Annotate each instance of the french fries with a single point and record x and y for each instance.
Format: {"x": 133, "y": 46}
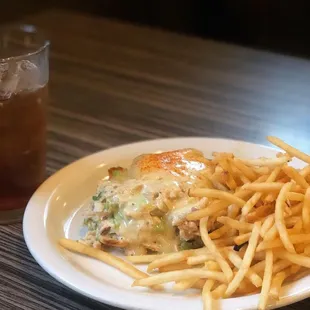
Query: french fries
{"x": 259, "y": 214}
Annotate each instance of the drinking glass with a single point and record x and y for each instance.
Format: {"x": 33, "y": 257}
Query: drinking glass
{"x": 24, "y": 74}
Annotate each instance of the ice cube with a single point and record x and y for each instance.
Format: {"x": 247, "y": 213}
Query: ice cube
{"x": 8, "y": 81}
{"x": 4, "y": 68}
{"x": 29, "y": 76}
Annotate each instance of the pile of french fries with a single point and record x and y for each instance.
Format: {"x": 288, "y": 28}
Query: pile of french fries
{"x": 255, "y": 228}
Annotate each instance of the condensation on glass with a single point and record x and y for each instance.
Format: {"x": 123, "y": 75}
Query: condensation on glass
{"x": 24, "y": 76}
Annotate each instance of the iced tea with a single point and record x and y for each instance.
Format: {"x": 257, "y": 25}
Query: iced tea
{"x": 22, "y": 148}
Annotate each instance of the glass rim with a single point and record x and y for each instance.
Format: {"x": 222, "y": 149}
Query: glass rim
{"x": 45, "y": 43}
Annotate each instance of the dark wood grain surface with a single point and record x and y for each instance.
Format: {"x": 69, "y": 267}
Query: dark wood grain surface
{"x": 114, "y": 83}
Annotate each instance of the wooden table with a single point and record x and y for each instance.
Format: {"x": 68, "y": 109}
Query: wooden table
{"x": 113, "y": 83}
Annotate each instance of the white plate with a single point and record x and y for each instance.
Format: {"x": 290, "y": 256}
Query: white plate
{"x": 54, "y": 211}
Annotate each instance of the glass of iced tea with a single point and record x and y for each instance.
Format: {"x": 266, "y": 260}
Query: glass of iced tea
{"x": 23, "y": 98}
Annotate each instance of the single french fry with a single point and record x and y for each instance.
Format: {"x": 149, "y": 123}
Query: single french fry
{"x": 219, "y": 232}
{"x": 295, "y": 196}
{"x": 173, "y": 267}
{"x": 306, "y": 212}
{"x": 259, "y": 256}
{"x": 279, "y": 218}
{"x": 225, "y": 220}
{"x": 247, "y": 171}
{"x": 213, "y": 249}
{"x": 271, "y": 197}
{"x": 185, "y": 284}
{"x": 212, "y": 265}
{"x": 217, "y": 194}
{"x": 224, "y": 242}
{"x": 144, "y": 259}
{"x": 211, "y": 209}
{"x": 276, "y": 284}
{"x": 219, "y": 291}
{"x": 267, "y": 162}
{"x": 263, "y": 187}
{"x": 247, "y": 260}
{"x": 294, "y": 175}
{"x": 206, "y": 291}
{"x": 298, "y": 189}
{"x": 107, "y": 258}
{"x": 180, "y": 275}
{"x": 297, "y": 259}
{"x": 305, "y": 171}
{"x": 276, "y": 243}
{"x": 281, "y": 265}
{"x": 170, "y": 259}
{"x": 267, "y": 224}
{"x": 263, "y": 298}
{"x": 233, "y": 211}
{"x": 242, "y": 238}
{"x": 289, "y": 149}
{"x": 244, "y": 179}
{"x": 261, "y": 170}
{"x": 271, "y": 233}
{"x": 200, "y": 259}
{"x": 199, "y": 284}
{"x": 207, "y": 297}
